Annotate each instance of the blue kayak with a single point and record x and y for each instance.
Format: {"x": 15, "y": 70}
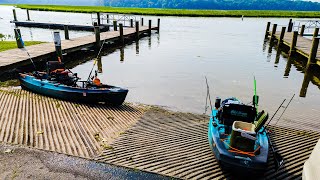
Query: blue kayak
{"x": 237, "y": 136}
{"x": 87, "y": 93}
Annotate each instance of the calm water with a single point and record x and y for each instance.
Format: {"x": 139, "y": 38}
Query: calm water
{"x": 169, "y": 69}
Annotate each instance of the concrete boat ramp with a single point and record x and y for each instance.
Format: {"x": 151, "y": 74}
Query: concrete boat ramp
{"x": 143, "y": 138}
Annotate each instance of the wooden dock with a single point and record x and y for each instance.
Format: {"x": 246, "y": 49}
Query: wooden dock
{"x": 296, "y": 42}
{"x": 103, "y": 28}
{"x": 18, "y": 57}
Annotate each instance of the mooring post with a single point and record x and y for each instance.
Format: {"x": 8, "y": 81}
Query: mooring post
{"x": 107, "y": 18}
{"x": 57, "y": 43}
{"x": 121, "y": 34}
{"x": 290, "y": 25}
{"x": 97, "y": 35}
{"x": 158, "y": 25}
{"x": 283, "y": 30}
{"x": 14, "y": 15}
{"x": 141, "y": 21}
{"x": 66, "y": 32}
{"x": 267, "y": 30}
{"x": 293, "y": 42}
{"x": 17, "y": 35}
{"x": 28, "y": 15}
{"x": 313, "y": 52}
{"x": 274, "y": 28}
{"x": 302, "y": 30}
{"x": 131, "y": 23}
{"x": 115, "y": 28}
{"x": 137, "y": 30}
{"x": 316, "y": 32}
{"x": 98, "y": 18}
{"x": 149, "y": 30}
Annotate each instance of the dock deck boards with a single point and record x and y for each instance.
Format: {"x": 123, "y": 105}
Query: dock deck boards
{"x": 19, "y": 56}
{"x": 303, "y": 46}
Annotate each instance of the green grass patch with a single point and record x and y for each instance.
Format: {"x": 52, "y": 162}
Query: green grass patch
{"x": 13, "y": 82}
{"x": 6, "y": 45}
{"x": 174, "y": 12}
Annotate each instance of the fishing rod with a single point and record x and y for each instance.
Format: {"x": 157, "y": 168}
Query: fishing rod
{"x": 208, "y": 95}
{"x": 95, "y": 61}
{"x": 285, "y": 108}
{"x": 20, "y": 39}
{"x": 274, "y": 114}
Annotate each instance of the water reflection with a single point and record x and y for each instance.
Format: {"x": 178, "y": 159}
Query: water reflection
{"x": 276, "y": 62}
{"x": 149, "y": 42}
{"x": 137, "y": 47}
{"x": 99, "y": 65}
{"x": 309, "y": 74}
{"x": 121, "y": 54}
{"x": 288, "y": 68}
{"x": 305, "y": 83}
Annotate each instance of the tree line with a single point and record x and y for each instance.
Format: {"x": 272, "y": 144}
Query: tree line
{"x": 297, "y": 5}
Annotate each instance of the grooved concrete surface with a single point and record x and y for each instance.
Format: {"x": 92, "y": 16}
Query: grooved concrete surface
{"x": 49, "y": 124}
{"x": 176, "y": 144}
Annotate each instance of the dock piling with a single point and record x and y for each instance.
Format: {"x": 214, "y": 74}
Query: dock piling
{"x": 267, "y": 30}
{"x": 302, "y": 30}
{"x": 158, "y": 25}
{"x": 121, "y": 34}
{"x": 294, "y": 42}
{"x": 17, "y": 35}
{"x": 98, "y": 18}
{"x": 115, "y": 28}
{"x": 290, "y": 25}
{"x": 316, "y": 32}
{"x": 313, "y": 52}
{"x": 137, "y": 30}
{"x": 274, "y": 28}
{"x": 57, "y": 43}
{"x": 66, "y": 32}
{"x": 28, "y": 15}
{"x": 107, "y": 18}
{"x": 149, "y": 30}
{"x": 97, "y": 35}
{"x": 283, "y": 30}
{"x": 141, "y": 21}
{"x": 131, "y": 23}
{"x": 14, "y": 15}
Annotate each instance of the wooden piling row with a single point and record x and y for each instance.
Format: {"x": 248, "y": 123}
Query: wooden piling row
{"x": 121, "y": 34}
{"x": 66, "y": 32}
{"x": 292, "y": 44}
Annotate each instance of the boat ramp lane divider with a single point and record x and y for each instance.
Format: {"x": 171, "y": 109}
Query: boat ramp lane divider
{"x": 49, "y": 124}
{"x": 16, "y": 57}
{"x": 176, "y": 144}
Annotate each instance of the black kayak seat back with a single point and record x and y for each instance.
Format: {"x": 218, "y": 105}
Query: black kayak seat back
{"x": 53, "y": 65}
{"x": 261, "y": 120}
{"x": 237, "y": 112}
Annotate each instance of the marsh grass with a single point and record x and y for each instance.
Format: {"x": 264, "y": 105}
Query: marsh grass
{"x": 174, "y": 12}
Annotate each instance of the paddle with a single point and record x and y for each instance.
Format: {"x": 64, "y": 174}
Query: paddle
{"x": 95, "y": 60}
{"x": 277, "y": 157}
{"x": 24, "y": 48}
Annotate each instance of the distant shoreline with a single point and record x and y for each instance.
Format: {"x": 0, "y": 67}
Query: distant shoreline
{"x": 175, "y": 12}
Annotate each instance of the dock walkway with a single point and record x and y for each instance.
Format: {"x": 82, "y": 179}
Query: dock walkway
{"x": 18, "y": 57}
{"x": 303, "y": 46}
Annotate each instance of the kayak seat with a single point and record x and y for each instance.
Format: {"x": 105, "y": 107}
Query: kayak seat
{"x": 55, "y": 66}
{"x": 261, "y": 120}
{"x": 237, "y": 112}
